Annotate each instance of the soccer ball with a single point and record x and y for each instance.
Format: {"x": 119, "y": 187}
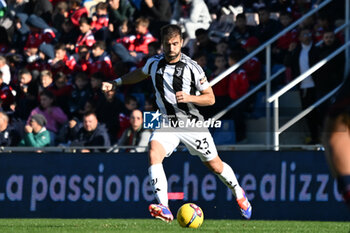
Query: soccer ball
{"x": 190, "y": 215}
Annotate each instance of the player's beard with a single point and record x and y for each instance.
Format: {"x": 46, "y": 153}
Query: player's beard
{"x": 170, "y": 57}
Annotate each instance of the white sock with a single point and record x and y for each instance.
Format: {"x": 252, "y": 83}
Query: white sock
{"x": 228, "y": 177}
{"x": 159, "y": 183}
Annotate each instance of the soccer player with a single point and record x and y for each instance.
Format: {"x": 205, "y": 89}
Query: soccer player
{"x": 176, "y": 78}
{"x": 337, "y": 140}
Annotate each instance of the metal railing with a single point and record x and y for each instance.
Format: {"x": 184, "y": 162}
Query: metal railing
{"x": 275, "y": 97}
{"x": 269, "y": 78}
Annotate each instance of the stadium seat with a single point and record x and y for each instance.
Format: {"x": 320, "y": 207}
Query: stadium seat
{"x": 226, "y": 134}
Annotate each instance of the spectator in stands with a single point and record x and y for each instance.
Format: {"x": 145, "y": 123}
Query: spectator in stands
{"x": 46, "y": 80}
{"x": 119, "y": 12}
{"x": 80, "y": 62}
{"x": 241, "y": 32}
{"x": 325, "y": 23}
{"x": 43, "y": 9}
{"x": 36, "y": 135}
{"x": 253, "y": 65}
{"x": 100, "y": 61}
{"x": 76, "y": 12}
{"x": 9, "y": 135}
{"x": 100, "y": 17}
{"x": 202, "y": 60}
{"x": 220, "y": 89}
{"x": 96, "y": 85}
{"x": 62, "y": 91}
{"x": 54, "y": 115}
{"x": 108, "y": 117}
{"x": 100, "y": 21}
{"x": 26, "y": 94}
{"x": 279, "y": 51}
{"x": 59, "y": 15}
{"x": 204, "y": 44}
{"x": 223, "y": 48}
{"x": 20, "y": 34}
{"x": 17, "y": 7}
{"x": 300, "y": 58}
{"x": 267, "y": 27}
{"x": 135, "y": 135}
{"x": 46, "y": 52}
{"x": 238, "y": 86}
{"x": 137, "y": 44}
{"x": 158, "y": 12}
{"x": 5, "y": 70}
{"x": 69, "y": 34}
{"x": 331, "y": 74}
{"x": 86, "y": 36}
{"x": 130, "y": 104}
{"x": 150, "y": 104}
{"x": 191, "y": 15}
{"x": 60, "y": 62}
{"x": 80, "y": 94}
{"x": 40, "y": 33}
{"x": 90, "y": 134}
{"x": 6, "y": 97}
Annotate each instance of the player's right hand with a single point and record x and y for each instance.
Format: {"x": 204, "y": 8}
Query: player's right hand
{"x": 107, "y": 86}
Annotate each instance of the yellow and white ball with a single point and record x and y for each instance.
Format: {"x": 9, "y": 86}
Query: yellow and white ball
{"x": 190, "y": 215}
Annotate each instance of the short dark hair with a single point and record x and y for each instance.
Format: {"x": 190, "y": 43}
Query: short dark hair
{"x": 102, "y": 6}
{"x": 200, "y": 32}
{"x": 24, "y": 71}
{"x": 241, "y": 16}
{"x": 85, "y": 20}
{"x": 81, "y": 75}
{"x": 90, "y": 113}
{"x": 170, "y": 30}
{"x": 142, "y": 21}
{"x": 59, "y": 75}
{"x": 99, "y": 44}
{"x": 47, "y": 93}
{"x": 60, "y": 46}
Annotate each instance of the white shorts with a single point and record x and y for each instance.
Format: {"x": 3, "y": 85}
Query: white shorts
{"x": 198, "y": 143}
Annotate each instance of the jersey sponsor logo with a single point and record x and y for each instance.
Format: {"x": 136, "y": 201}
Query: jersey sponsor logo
{"x": 152, "y": 120}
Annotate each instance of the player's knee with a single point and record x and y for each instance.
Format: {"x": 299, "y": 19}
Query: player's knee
{"x": 154, "y": 156}
{"x": 156, "y": 153}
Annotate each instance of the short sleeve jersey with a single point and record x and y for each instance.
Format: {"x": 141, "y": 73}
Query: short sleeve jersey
{"x": 185, "y": 75}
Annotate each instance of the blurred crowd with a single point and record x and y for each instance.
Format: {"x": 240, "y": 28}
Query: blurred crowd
{"x": 55, "y": 54}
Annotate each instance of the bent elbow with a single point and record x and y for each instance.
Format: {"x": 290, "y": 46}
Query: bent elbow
{"x": 212, "y": 101}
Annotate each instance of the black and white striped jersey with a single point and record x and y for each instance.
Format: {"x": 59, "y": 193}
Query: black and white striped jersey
{"x": 185, "y": 75}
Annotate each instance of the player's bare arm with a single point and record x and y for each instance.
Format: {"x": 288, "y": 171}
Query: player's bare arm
{"x": 206, "y": 98}
{"x": 129, "y": 78}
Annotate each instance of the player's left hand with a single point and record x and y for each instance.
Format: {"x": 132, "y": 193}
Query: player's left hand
{"x": 182, "y": 97}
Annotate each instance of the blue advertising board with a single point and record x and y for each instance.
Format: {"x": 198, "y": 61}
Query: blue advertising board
{"x": 281, "y": 185}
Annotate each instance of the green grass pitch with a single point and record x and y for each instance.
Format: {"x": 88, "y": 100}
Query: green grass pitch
{"x": 153, "y": 225}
